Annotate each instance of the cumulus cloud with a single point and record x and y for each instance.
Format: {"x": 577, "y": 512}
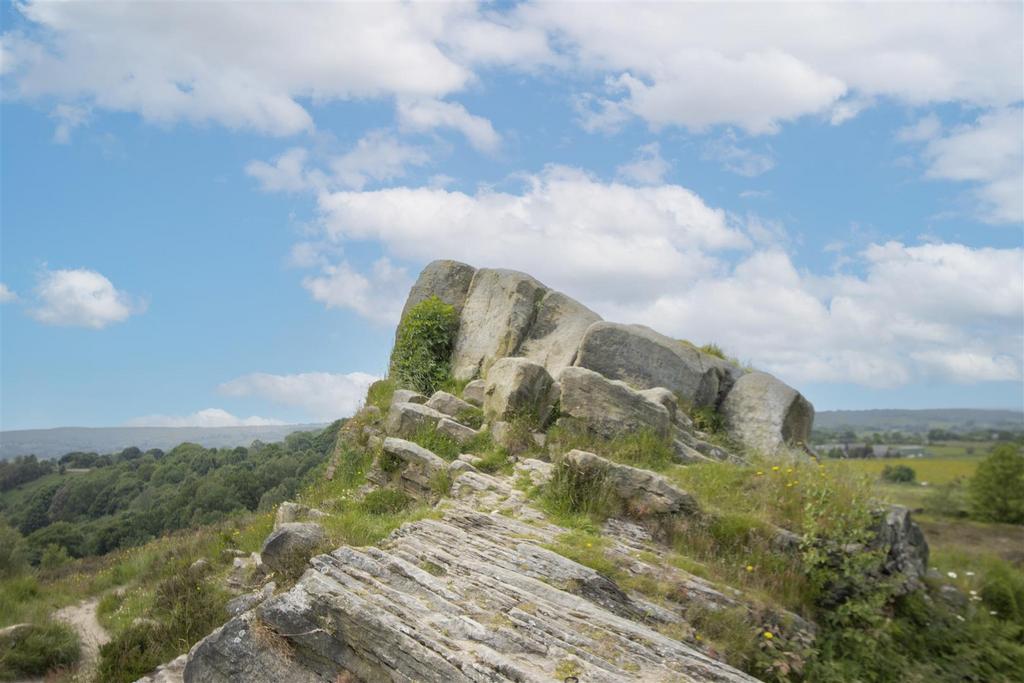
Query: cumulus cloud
{"x": 699, "y": 64}
{"x": 81, "y": 298}
{"x": 693, "y": 65}
{"x": 659, "y": 255}
{"x": 378, "y": 156}
{"x": 989, "y": 153}
{"x": 287, "y": 173}
{"x": 324, "y": 396}
{"x": 428, "y": 114}
{"x": 647, "y": 167}
{"x": 209, "y": 417}
{"x": 6, "y": 294}
{"x": 68, "y": 117}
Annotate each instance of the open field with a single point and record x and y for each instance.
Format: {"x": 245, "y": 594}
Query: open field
{"x": 942, "y": 470}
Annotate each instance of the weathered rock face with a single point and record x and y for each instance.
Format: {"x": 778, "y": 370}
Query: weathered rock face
{"x": 488, "y": 610}
{"x": 500, "y": 309}
{"x": 645, "y": 359}
{"x": 458, "y": 431}
{"x": 517, "y": 386}
{"x": 906, "y": 550}
{"x": 555, "y": 335}
{"x": 473, "y": 393}
{"x": 407, "y": 396}
{"x": 414, "y": 466}
{"x": 405, "y": 419}
{"x": 289, "y": 546}
{"x": 642, "y": 492}
{"x": 294, "y": 512}
{"x": 449, "y": 404}
{"x": 447, "y": 280}
{"x": 766, "y": 414}
{"x": 609, "y": 407}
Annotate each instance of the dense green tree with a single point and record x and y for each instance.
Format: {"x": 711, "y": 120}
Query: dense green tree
{"x": 997, "y": 487}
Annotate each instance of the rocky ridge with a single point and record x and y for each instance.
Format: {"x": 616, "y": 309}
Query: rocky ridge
{"x": 476, "y": 592}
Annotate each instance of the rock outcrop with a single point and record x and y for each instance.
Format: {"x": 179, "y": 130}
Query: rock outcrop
{"x": 447, "y": 280}
{"x": 517, "y": 387}
{"x": 446, "y": 601}
{"x": 609, "y": 407}
{"x": 641, "y": 493}
{"x": 288, "y": 546}
{"x": 767, "y": 415}
{"x": 500, "y": 309}
{"x": 554, "y": 338}
{"x": 646, "y": 359}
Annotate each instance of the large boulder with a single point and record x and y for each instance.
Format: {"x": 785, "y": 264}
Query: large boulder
{"x": 288, "y": 512}
{"x": 473, "y": 393}
{"x": 554, "y": 338}
{"x": 517, "y": 387}
{"x": 288, "y": 547}
{"x": 449, "y": 404}
{"x": 642, "y": 493}
{"x": 447, "y": 280}
{"x": 609, "y": 407}
{"x": 405, "y": 419}
{"x": 414, "y": 468}
{"x": 767, "y": 415}
{"x": 646, "y": 359}
{"x": 500, "y": 308}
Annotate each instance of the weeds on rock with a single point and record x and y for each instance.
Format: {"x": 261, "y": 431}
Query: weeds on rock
{"x": 642, "y": 448}
{"x": 421, "y": 359}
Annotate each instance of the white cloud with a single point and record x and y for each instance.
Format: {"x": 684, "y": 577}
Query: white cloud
{"x": 989, "y": 153}
{"x": 659, "y": 255}
{"x": 922, "y": 130}
{"x": 566, "y": 226}
{"x": 427, "y": 114}
{"x": 68, "y": 118}
{"x": 378, "y": 156}
{"x": 286, "y": 174}
{"x": 701, "y": 64}
{"x": 376, "y": 295}
{"x": 671, "y": 64}
{"x": 6, "y": 294}
{"x": 81, "y": 298}
{"x": 646, "y": 168}
{"x": 735, "y": 159}
{"x": 324, "y": 396}
{"x": 209, "y": 417}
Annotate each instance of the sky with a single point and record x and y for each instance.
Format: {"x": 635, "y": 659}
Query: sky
{"x": 211, "y": 212}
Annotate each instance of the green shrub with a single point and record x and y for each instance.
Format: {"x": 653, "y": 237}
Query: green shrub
{"x": 13, "y": 551}
{"x": 709, "y": 420}
{"x": 715, "y": 350}
{"x": 898, "y": 474}
{"x": 385, "y": 501}
{"x": 423, "y": 346}
{"x": 379, "y": 394}
{"x": 40, "y": 649}
{"x": 134, "y": 652}
{"x": 997, "y": 487}
{"x": 574, "y": 492}
{"x": 948, "y": 500}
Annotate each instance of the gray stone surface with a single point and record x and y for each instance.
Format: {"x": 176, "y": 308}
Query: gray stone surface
{"x": 641, "y": 492}
{"x": 491, "y": 609}
{"x": 473, "y": 393}
{"x": 456, "y": 430}
{"x": 555, "y": 335}
{"x": 767, "y": 415}
{"x": 517, "y": 387}
{"x": 646, "y": 359}
{"x": 290, "y": 545}
{"x": 296, "y": 512}
{"x": 666, "y": 398}
{"x": 407, "y": 396}
{"x": 905, "y": 547}
{"x": 499, "y": 311}
{"x": 171, "y": 672}
{"x": 447, "y": 280}
{"x": 609, "y": 407}
{"x": 449, "y": 404}
{"x": 416, "y": 470}
{"x": 405, "y": 419}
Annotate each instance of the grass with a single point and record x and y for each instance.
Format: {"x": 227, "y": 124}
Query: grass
{"x": 643, "y": 448}
{"x": 379, "y": 394}
{"x": 940, "y": 470}
{"x": 43, "y": 647}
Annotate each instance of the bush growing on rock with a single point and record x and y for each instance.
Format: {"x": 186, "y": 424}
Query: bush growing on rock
{"x": 421, "y": 359}
{"x": 38, "y": 649}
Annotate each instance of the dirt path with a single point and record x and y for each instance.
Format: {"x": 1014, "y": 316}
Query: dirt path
{"x": 82, "y": 618}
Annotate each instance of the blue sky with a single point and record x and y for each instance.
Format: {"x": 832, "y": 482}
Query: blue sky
{"x": 211, "y": 213}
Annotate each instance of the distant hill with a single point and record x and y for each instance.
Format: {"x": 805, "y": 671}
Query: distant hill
{"x": 920, "y": 421}
{"x": 51, "y": 443}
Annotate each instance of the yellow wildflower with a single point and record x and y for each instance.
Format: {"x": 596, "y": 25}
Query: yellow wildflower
{"x": 750, "y": 567}
{"x": 775, "y": 468}
{"x": 768, "y": 635}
